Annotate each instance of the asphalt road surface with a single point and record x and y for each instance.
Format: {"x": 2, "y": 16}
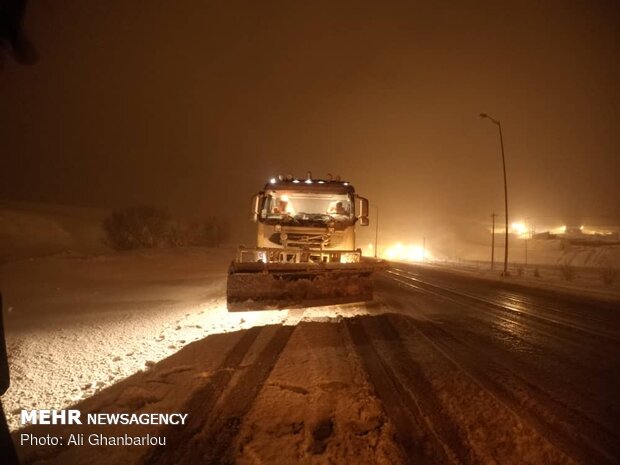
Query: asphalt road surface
{"x": 552, "y": 359}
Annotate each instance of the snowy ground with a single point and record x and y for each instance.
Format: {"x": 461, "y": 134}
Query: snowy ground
{"x": 105, "y": 317}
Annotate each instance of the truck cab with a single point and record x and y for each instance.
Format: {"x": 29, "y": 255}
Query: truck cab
{"x": 316, "y": 216}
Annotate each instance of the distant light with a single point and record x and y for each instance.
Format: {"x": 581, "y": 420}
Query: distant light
{"x": 321, "y": 182}
{"x": 412, "y": 253}
{"x": 581, "y": 227}
{"x": 296, "y": 181}
{"x": 558, "y": 230}
{"x": 272, "y": 180}
{"x": 346, "y": 183}
{"x": 519, "y": 228}
{"x": 308, "y": 181}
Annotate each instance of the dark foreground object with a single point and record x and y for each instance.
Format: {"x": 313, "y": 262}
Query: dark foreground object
{"x": 7, "y": 450}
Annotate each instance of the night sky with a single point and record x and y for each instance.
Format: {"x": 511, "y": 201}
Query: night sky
{"x": 193, "y": 105}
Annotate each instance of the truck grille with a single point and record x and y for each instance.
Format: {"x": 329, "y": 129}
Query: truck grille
{"x": 301, "y": 240}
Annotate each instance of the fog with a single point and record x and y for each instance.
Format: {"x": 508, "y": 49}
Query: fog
{"x": 195, "y": 105}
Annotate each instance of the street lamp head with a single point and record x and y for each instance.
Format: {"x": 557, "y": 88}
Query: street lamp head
{"x": 493, "y": 120}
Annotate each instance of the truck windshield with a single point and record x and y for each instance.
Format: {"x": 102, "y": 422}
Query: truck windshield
{"x": 306, "y": 208}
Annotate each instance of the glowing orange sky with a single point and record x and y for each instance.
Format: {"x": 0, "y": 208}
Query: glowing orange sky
{"x": 185, "y": 103}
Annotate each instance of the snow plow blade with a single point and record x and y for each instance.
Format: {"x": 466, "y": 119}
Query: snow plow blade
{"x": 259, "y": 286}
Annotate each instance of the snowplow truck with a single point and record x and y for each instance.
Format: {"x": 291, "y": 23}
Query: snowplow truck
{"x": 305, "y": 253}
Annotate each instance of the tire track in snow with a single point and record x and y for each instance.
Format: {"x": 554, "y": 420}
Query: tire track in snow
{"x": 203, "y": 401}
{"x": 421, "y": 430}
{"x": 218, "y": 410}
{"x": 552, "y": 418}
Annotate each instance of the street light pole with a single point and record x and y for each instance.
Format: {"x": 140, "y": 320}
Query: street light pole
{"x": 493, "y": 215}
{"x": 376, "y": 228}
{"x": 501, "y": 141}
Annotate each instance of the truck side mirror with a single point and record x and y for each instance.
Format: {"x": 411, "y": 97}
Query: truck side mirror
{"x": 362, "y": 211}
{"x": 256, "y": 201}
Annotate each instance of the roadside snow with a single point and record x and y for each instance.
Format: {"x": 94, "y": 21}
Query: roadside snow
{"x": 75, "y": 326}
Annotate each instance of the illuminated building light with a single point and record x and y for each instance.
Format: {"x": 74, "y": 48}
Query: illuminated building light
{"x": 272, "y": 180}
{"x": 596, "y": 232}
{"x": 559, "y": 230}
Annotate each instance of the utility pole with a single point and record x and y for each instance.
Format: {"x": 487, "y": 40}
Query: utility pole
{"x": 376, "y": 229}
{"x": 493, "y": 215}
{"x": 528, "y": 235}
{"x": 526, "y": 250}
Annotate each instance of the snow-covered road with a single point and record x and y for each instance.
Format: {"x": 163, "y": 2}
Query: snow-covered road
{"x": 553, "y": 359}
{"x": 440, "y": 368}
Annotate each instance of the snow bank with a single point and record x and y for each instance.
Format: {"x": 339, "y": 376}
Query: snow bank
{"x": 29, "y": 230}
